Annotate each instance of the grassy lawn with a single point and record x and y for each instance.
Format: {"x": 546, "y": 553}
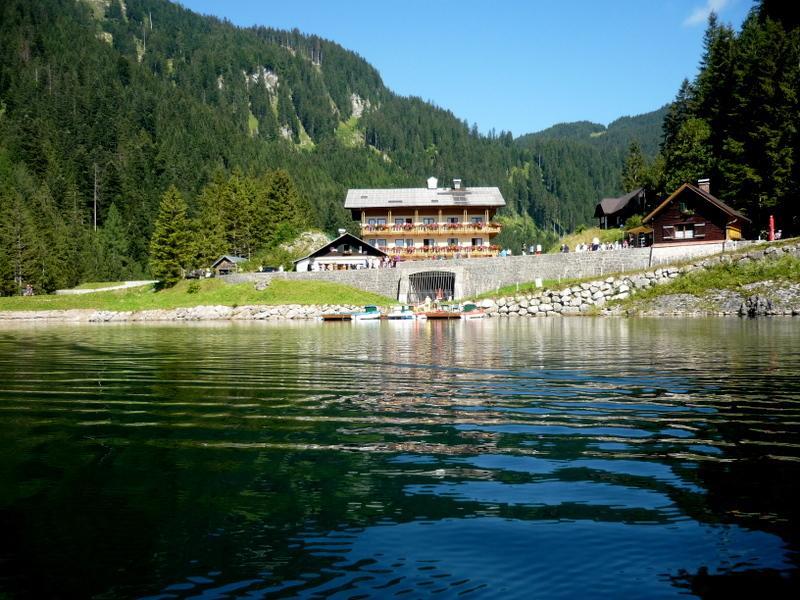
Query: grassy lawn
{"x": 197, "y": 293}
{"x": 586, "y": 236}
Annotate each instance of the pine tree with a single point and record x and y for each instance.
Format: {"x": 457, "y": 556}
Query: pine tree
{"x": 170, "y": 244}
{"x": 634, "y": 168}
{"x": 113, "y": 238}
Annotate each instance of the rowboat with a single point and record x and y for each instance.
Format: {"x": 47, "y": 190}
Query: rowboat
{"x": 370, "y": 313}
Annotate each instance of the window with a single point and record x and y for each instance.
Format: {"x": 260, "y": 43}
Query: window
{"x": 428, "y": 242}
{"x": 409, "y": 243}
{"x": 452, "y": 220}
{"x": 452, "y": 241}
{"x": 477, "y": 219}
{"x": 399, "y": 243}
{"x": 428, "y": 221}
{"x": 372, "y": 221}
{"x": 380, "y": 243}
{"x": 477, "y": 241}
{"x": 399, "y": 221}
{"x": 380, "y": 221}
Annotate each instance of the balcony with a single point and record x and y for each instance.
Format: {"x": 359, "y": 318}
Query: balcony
{"x": 434, "y": 228}
{"x": 434, "y": 252}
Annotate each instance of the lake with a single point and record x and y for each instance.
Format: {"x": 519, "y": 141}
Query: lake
{"x": 552, "y": 458}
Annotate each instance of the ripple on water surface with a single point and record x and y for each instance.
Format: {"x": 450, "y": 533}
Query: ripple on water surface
{"x": 632, "y": 458}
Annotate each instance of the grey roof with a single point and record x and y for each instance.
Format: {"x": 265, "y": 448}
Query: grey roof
{"x": 609, "y": 206}
{"x": 369, "y": 249}
{"x": 388, "y": 197}
{"x": 229, "y": 258}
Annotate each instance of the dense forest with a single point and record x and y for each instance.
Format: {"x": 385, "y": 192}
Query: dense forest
{"x": 106, "y": 105}
{"x": 738, "y": 121}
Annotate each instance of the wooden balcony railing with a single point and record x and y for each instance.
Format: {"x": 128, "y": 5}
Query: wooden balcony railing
{"x": 435, "y": 228}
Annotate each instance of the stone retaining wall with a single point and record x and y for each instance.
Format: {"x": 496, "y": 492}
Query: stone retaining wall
{"x": 478, "y": 276}
{"x": 591, "y": 297}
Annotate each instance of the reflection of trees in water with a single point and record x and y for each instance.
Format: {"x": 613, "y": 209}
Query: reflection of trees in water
{"x": 261, "y": 437}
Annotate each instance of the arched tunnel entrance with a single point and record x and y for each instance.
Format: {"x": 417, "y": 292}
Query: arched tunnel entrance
{"x": 431, "y": 284}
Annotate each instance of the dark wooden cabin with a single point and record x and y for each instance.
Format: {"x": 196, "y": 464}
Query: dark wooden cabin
{"x": 225, "y": 265}
{"x": 613, "y": 212}
{"x": 692, "y": 214}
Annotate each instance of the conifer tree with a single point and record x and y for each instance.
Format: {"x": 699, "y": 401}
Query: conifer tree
{"x": 634, "y": 168}
{"x": 170, "y": 243}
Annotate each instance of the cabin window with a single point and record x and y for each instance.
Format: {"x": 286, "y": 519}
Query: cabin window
{"x": 428, "y": 221}
{"x": 684, "y": 232}
{"x": 345, "y": 248}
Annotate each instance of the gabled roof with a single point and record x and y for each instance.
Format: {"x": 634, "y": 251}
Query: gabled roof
{"x": 704, "y": 195}
{"x": 229, "y": 258}
{"x": 609, "y": 206}
{"x": 414, "y": 197}
{"x": 345, "y": 238}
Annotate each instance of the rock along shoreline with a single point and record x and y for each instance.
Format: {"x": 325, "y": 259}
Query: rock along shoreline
{"x": 586, "y": 298}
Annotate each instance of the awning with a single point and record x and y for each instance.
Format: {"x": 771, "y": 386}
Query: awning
{"x": 641, "y": 229}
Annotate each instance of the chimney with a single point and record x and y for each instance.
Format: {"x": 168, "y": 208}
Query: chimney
{"x": 432, "y": 183}
{"x": 456, "y": 184}
{"x": 704, "y": 185}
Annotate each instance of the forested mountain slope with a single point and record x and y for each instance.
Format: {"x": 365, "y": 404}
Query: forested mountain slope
{"x": 111, "y": 102}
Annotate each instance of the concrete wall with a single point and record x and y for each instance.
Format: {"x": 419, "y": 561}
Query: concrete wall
{"x": 476, "y": 276}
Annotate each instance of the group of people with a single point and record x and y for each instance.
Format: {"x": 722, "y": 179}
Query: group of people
{"x": 372, "y": 262}
{"x": 597, "y": 246}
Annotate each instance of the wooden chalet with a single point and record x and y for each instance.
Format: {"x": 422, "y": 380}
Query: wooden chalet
{"x": 692, "y": 214}
{"x": 225, "y": 265}
{"x": 345, "y": 252}
{"x": 613, "y": 212}
{"x": 429, "y": 222}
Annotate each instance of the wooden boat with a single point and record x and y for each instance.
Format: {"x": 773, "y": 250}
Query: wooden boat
{"x": 370, "y": 313}
{"x": 443, "y": 312}
{"x": 337, "y": 317}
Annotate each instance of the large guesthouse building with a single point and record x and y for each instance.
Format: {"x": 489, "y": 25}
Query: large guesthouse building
{"x": 430, "y": 222}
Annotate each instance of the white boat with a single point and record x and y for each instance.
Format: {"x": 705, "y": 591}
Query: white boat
{"x": 370, "y": 313}
{"x": 403, "y": 313}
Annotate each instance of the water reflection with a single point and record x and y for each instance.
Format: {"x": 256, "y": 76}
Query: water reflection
{"x": 486, "y": 459}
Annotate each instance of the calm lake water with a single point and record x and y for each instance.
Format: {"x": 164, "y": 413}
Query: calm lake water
{"x": 553, "y": 458}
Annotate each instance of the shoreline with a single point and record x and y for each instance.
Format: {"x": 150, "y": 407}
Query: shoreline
{"x": 599, "y": 297}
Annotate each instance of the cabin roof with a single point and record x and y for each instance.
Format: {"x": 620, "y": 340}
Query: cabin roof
{"x": 345, "y": 238}
{"x": 414, "y": 197}
{"x": 702, "y": 194}
{"x": 609, "y": 206}
{"x": 230, "y": 258}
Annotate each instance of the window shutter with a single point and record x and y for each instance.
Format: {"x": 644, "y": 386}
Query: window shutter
{"x": 668, "y": 233}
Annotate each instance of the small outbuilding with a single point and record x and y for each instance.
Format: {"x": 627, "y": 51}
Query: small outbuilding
{"x": 613, "y": 212}
{"x": 345, "y": 252}
{"x": 692, "y": 214}
{"x": 225, "y": 265}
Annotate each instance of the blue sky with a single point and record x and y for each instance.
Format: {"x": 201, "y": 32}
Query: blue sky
{"x": 511, "y": 65}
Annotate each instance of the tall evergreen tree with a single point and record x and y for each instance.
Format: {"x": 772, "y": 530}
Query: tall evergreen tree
{"x": 634, "y": 168}
{"x": 170, "y": 246}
